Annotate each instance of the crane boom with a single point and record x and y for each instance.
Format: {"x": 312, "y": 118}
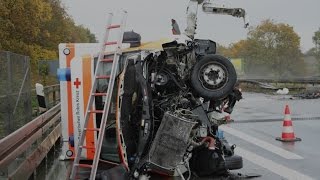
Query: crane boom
{"x": 209, "y": 8}
{"x": 192, "y": 12}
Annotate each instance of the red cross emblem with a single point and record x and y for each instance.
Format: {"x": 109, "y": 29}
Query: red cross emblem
{"x": 77, "y": 83}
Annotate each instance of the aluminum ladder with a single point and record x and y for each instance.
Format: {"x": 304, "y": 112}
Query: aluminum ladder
{"x": 108, "y": 96}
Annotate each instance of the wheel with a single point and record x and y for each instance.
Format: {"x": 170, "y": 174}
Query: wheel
{"x": 233, "y": 162}
{"x": 213, "y": 76}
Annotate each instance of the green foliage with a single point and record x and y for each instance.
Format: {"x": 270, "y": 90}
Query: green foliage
{"x": 316, "y": 40}
{"x": 222, "y": 50}
{"x": 272, "y": 48}
{"x": 36, "y": 27}
{"x": 316, "y": 50}
{"x": 234, "y": 50}
{"x": 44, "y": 69}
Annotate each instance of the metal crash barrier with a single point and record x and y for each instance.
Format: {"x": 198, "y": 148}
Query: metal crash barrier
{"x": 23, "y": 150}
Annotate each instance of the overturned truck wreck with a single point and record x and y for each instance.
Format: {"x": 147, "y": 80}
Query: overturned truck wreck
{"x": 165, "y": 100}
{"x": 162, "y": 111}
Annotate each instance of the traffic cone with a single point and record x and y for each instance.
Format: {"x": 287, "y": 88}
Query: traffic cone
{"x": 287, "y": 130}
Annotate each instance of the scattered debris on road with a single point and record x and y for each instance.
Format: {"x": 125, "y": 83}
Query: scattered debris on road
{"x": 313, "y": 93}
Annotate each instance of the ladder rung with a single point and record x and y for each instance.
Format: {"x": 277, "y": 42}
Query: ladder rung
{"x": 99, "y": 94}
{"x": 111, "y": 43}
{"x": 84, "y": 165}
{"x": 92, "y": 129}
{"x": 96, "y": 111}
{"x": 107, "y": 60}
{"x": 87, "y": 147}
{"x": 114, "y": 26}
{"x": 103, "y": 77}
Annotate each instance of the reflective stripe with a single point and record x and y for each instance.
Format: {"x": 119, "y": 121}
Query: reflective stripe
{"x": 288, "y": 136}
{"x": 287, "y": 129}
{"x": 69, "y": 94}
{"x": 265, "y": 145}
{"x": 87, "y": 83}
{"x": 272, "y": 166}
{"x": 287, "y": 123}
{"x": 287, "y": 117}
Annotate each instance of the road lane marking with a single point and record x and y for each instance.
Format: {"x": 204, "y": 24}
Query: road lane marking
{"x": 271, "y": 165}
{"x": 265, "y": 145}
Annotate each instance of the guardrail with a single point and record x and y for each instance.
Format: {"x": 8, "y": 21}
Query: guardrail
{"x": 20, "y": 143}
{"x": 291, "y": 80}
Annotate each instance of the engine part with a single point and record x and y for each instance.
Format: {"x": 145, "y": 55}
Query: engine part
{"x": 185, "y": 103}
{"x": 144, "y": 177}
{"x": 233, "y": 162}
{"x": 202, "y": 116}
{"x": 211, "y": 142}
{"x": 133, "y": 38}
{"x": 204, "y": 47}
{"x": 171, "y": 142}
{"x": 161, "y": 79}
{"x": 146, "y": 121}
{"x": 213, "y": 77}
{"x": 227, "y": 149}
{"x": 205, "y": 162}
{"x": 203, "y": 132}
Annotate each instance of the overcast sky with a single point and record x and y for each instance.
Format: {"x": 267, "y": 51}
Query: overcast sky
{"x": 152, "y": 18}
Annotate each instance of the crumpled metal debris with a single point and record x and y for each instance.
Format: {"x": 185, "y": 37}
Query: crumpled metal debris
{"x": 309, "y": 94}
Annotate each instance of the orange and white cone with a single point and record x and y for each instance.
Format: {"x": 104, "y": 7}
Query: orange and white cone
{"x": 287, "y": 130}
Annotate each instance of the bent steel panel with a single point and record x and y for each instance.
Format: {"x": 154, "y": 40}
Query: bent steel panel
{"x": 22, "y": 146}
{"x": 32, "y": 162}
{"x": 25, "y": 131}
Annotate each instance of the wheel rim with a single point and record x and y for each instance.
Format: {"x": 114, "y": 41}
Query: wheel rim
{"x": 213, "y": 76}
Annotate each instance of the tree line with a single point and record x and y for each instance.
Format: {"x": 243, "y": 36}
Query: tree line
{"x": 36, "y": 27}
{"x": 315, "y": 51}
{"x": 271, "y": 49}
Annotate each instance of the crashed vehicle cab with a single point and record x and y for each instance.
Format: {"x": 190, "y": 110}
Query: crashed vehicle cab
{"x": 166, "y": 96}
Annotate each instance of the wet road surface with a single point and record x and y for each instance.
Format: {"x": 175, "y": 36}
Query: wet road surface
{"x": 258, "y": 121}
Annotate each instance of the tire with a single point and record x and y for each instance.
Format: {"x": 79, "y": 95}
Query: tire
{"x": 213, "y": 77}
{"x": 233, "y": 162}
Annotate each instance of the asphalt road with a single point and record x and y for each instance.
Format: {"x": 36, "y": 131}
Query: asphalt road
{"x": 258, "y": 121}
